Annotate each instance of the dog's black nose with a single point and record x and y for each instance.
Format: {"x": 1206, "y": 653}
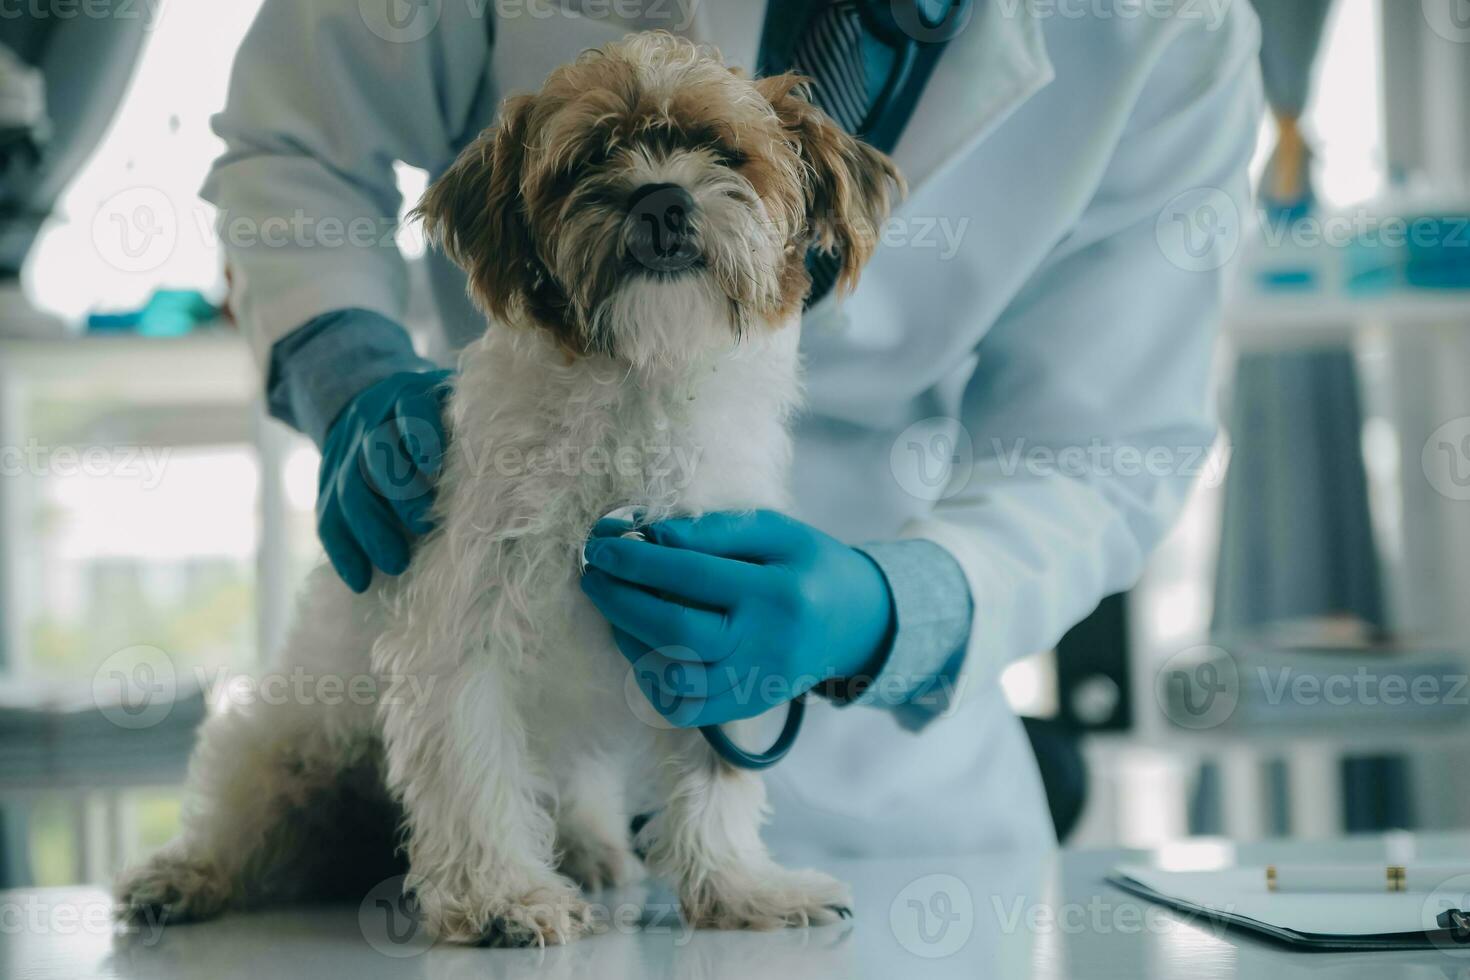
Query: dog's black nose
{"x": 661, "y": 227}
{"x": 660, "y": 198}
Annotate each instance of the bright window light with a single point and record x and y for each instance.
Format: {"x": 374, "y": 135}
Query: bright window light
{"x": 161, "y": 142}
{"x": 160, "y": 139}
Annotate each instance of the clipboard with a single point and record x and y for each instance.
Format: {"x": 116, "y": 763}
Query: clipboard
{"x": 1341, "y": 922}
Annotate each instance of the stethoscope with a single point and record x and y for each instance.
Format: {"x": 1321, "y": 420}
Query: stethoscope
{"x": 742, "y": 759}
{"x": 715, "y": 735}
{"x": 909, "y": 28}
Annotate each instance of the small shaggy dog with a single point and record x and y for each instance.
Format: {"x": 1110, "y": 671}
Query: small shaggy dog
{"x": 638, "y": 229}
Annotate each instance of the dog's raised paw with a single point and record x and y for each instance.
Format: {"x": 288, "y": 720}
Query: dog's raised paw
{"x": 171, "y": 889}
{"x": 773, "y": 899}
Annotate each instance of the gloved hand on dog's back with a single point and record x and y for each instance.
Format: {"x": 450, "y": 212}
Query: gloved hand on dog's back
{"x": 728, "y": 615}
{"x": 379, "y": 461}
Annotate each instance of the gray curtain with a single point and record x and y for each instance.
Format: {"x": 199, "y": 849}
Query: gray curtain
{"x": 1296, "y": 539}
{"x": 1291, "y": 33}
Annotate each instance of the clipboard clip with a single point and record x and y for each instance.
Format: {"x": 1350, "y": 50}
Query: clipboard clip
{"x": 1457, "y": 921}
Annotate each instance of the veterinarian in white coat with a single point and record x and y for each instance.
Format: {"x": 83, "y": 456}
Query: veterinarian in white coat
{"x": 1020, "y": 376}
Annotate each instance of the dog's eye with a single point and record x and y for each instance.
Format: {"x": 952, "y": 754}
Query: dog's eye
{"x": 597, "y": 156}
{"x": 729, "y": 155}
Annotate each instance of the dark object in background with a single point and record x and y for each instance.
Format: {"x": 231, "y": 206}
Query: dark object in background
{"x": 24, "y": 128}
{"x": 1377, "y": 794}
{"x": 1063, "y": 772}
{"x": 1093, "y": 676}
{"x": 85, "y": 62}
{"x": 1093, "y": 696}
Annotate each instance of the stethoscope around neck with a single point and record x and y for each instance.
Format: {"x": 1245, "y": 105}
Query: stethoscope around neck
{"x": 907, "y": 28}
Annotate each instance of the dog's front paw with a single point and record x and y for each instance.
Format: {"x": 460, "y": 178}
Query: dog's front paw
{"x": 171, "y": 888}
{"x": 546, "y": 915}
{"x": 771, "y": 898}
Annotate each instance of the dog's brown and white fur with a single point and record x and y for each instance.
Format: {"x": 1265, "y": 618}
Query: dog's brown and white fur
{"x": 514, "y": 758}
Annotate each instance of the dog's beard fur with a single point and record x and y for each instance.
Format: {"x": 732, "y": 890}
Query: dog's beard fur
{"x": 648, "y": 316}
{"x": 540, "y": 211}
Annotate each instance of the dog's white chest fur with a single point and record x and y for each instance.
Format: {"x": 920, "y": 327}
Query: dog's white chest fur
{"x": 543, "y": 445}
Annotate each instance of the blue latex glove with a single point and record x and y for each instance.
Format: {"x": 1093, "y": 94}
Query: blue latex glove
{"x": 728, "y": 615}
{"x": 377, "y": 479}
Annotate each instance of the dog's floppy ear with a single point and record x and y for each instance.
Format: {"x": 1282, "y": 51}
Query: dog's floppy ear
{"x": 474, "y": 212}
{"x": 850, "y": 187}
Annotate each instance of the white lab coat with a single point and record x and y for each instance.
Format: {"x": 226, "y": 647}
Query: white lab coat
{"x": 1076, "y": 155}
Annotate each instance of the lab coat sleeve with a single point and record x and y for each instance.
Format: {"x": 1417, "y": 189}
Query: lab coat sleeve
{"x": 1090, "y": 408}
{"x": 320, "y": 108}
{"x": 319, "y": 367}
{"x": 932, "y": 612}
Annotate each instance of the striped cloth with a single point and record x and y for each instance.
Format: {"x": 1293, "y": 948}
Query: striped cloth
{"x": 830, "y": 52}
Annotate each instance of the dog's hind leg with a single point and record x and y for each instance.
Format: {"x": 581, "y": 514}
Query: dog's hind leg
{"x": 280, "y": 783}
{"x": 268, "y": 789}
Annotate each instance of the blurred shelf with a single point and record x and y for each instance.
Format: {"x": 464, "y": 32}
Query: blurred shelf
{"x": 1254, "y": 320}
{"x": 71, "y": 738}
{"x": 210, "y": 365}
{"x": 1259, "y": 692}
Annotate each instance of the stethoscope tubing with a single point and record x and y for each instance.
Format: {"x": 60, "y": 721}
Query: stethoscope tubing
{"x": 905, "y": 47}
{"x": 740, "y": 758}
